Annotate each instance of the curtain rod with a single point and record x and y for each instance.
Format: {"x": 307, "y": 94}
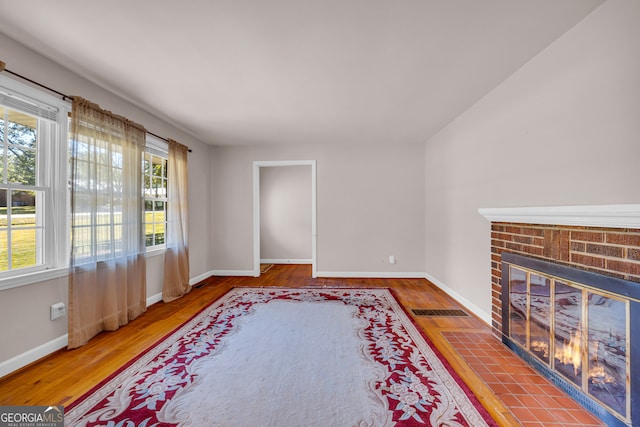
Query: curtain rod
{"x": 64, "y": 96}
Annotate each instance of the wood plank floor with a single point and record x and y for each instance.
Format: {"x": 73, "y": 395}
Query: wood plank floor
{"x": 64, "y": 376}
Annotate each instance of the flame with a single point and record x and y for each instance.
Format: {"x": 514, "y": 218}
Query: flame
{"x": 598, "y": 376}
{"x": 540, "y": 346}
{"x": 569, "y": 353}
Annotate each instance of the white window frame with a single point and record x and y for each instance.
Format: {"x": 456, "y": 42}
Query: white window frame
{"x": 159, "y": 148}
{"x": 53, "y": 155}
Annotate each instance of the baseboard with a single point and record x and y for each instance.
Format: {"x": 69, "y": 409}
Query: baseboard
{"x": 30, "y": 356}
{"x": 154, "y": 299}
{"x": 200, "y": 278}
{"x": 371, "y": 275}
{"x": 483, "y": 315}
{"x": 286, "y": 261}
{"x": 247, "y": 273}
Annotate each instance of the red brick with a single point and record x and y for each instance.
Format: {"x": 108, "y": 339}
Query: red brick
{"x": 513, "y": 246}
{"x": 633, "y": 254}
{"x": 522, "y": 239}
{"x": 587, "y": 236}
{"x": 605, "y": 250}
{"x": 623, "y": 267}
{"x": 624, "y": 239}
{"x": 578, "y": 246}
{"x": 587, "y": 260}
{"x": 556, "y": 245}
{"x": 534, "y": 232}
{"x": 538, "y": 241}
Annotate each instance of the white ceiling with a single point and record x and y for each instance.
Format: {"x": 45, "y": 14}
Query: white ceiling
{"x": 295, "y": 71}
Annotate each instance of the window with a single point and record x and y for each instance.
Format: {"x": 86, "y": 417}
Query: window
{"x": 32, "y": 180}
{"x": 155, "y": 193}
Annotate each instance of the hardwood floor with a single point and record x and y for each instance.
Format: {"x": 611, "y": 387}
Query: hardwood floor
{"x": 64, "y": 376}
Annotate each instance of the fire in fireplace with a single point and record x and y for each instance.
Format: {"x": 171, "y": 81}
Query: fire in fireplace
{"x": 578, "y": 328}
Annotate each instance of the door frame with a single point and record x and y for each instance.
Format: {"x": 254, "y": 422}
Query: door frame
{"x": 256, "y": 209}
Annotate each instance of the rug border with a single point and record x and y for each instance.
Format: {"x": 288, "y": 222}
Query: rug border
{"x": 132, "y": 360}
{"x": 484, "y": 413}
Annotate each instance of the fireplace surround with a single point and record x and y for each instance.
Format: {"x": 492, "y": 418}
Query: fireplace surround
{"x": 599, "y": 241}
{"x": 577, "y": 328}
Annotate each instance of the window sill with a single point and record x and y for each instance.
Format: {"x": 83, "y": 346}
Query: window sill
{"x": 155, "y": 252}
{"x": 32, "y": 278}
{"x": 52, "y": 273}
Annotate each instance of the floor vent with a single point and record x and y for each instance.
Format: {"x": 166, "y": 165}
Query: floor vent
{"x": 439, "y": 312}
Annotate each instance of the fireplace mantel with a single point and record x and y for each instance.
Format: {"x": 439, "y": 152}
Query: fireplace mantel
{"x": 611, "y": 216}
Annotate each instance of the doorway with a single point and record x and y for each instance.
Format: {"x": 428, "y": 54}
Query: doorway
{"x": 257, "y": 165}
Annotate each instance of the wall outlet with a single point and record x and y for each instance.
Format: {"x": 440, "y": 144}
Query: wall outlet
{"x": 392, "y": 259}
{"x": 58, "y": 310}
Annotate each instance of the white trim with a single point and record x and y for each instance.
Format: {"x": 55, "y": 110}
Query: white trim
{"x": 52, "y": 155}
{"x": 33, "y": 278}
{"x": 286, "y": 261}
{"x": 195, "y": 280}
{"x": 256, "y": 210}
{"x": 30, "y": 356}
{"x": 240, "y": 273}
{"x": 613, "y": 216}
{"x": 372, "y": 274}
{"x": 157, "y": 251}
{"x": 154, "y": 299}
{"x": 486, "y": 317}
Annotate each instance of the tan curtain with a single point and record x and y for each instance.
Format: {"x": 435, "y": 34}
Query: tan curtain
{"x": 176, "y": 261}
{"x": 107, "y": 280}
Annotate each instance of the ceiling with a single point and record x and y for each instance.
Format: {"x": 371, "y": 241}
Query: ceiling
{"x": 295, "y": 71}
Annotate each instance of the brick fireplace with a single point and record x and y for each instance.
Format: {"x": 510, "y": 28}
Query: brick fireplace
{"x": 599, "y": 240}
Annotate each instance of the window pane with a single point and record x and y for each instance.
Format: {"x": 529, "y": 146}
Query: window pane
{"x": 157, "y": 166}
{"x": 4, "y": 249}
{"x": 23, "y": 248}
{"x": 23, "y": 208}
{"x": 4, "y": 252}
{"x": 159, "y": 234}
{"x": 3, "y": 208}
{"x": 21, "y": 148}
{"x": 157, "y": 187}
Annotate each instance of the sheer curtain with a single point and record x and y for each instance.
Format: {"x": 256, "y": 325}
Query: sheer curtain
{"x": 107, "y": 280}
{"x": 176, "y": 261}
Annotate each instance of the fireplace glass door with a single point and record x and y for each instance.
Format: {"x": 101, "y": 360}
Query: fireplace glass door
{"x": 576, "y": 331}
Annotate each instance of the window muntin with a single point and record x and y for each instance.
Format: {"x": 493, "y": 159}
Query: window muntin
{"x": 155, "y": 198}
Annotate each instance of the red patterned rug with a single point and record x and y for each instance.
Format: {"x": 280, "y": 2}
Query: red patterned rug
{"x": 287, "y": 357}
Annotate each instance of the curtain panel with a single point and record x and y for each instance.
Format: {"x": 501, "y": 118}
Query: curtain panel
{"x": 176, "y": 259}
{"x": 107, "y": 280}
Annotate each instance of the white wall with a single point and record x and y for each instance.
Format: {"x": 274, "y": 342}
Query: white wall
{"x": 285, "y": 213}
{"x": 370, "y": 204}
{"x": 24, "y": 311}
{"x": 563, "y": 130}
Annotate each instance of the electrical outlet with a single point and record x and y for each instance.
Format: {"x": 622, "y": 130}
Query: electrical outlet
{"x": 392, "y": 259}
{"x": 58, "y": 310}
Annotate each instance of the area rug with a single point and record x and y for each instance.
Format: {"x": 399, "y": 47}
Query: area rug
{"x": 287, "y": 357}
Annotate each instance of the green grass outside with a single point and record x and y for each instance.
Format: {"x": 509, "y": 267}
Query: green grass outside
{"x": 23, "y": 242}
